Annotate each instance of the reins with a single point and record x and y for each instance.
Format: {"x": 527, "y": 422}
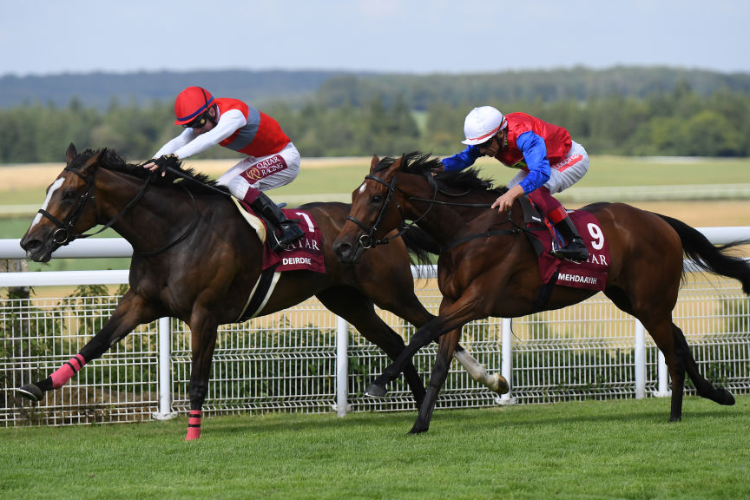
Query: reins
{"x": 367, "y": 240}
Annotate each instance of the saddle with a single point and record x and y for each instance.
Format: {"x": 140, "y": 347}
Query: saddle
{"x": 591, "y": 274}
{"x": 305, "y": 254}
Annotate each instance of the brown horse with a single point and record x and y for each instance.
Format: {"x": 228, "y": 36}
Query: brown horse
{"x": 487, "y": 266}
{"x": 196, "y": 259}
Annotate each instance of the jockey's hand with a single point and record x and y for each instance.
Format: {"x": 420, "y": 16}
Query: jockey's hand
{"x": 161, "y": 163}
{"x": 439, "y": 168}
{"x": 504, "y": 202}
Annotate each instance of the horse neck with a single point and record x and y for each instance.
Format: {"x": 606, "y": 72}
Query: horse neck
{"x": 448, "y": 223}
{"x": 151, "y": 221}
{"x": 443, "y": 222}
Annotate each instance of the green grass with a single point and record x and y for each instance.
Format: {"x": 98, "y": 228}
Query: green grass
{"x": 604, "y": 171}
{"x": 619, "y": 449}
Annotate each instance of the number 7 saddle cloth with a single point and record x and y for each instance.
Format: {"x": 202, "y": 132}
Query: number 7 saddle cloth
{"x": 305, "y": 254}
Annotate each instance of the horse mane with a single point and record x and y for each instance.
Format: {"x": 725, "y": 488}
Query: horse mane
{"x": 110, "y": 160}
{"x": 417, "y": 163}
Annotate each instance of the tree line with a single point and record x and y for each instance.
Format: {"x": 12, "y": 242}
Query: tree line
{"x": 676, "y": 122}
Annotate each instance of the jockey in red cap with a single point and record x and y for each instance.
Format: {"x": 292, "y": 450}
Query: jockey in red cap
{"x": 272, "y": 160}
{"x": 549, "y": 162}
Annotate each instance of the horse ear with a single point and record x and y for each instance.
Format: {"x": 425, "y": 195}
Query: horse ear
{"x": 92, "y": 162}
{"x": 374, "y": 162}
{"x": 70, "y": 154}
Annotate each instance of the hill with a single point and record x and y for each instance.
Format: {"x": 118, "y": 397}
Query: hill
{"x": 99, "y": 90}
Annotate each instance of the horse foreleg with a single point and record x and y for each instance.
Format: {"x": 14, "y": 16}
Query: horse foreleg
{"x": 130, "y": 312}
{"x": 461, "y": 313}
{"x": 203, "y": 341}
{"x": 421, "y": 338}
{"x": 439, "y": 373}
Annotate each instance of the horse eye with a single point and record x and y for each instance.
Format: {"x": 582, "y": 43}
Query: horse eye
{"x": 377, "y": 199}
{"x": 70, "y": 195}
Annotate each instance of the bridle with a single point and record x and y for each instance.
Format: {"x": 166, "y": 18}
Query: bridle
{"x": 64, "y": 235}
{"x": 368, "y": 240}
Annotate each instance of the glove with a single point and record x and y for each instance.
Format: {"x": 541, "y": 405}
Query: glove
{"x": 165, "y": 161}
{"x": 161, "y": 163}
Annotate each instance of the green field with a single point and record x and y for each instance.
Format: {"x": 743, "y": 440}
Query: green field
{"x": 336, "y": 181}
{"x": 595, "y": 449}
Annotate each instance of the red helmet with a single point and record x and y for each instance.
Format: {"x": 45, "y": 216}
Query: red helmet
{"x": 191, "y": 103}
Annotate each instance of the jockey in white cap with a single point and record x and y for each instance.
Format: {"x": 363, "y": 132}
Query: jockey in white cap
{"x": 549, "y": 162}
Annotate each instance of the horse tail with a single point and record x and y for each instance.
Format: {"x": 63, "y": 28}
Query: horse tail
{"x": 420, "y": 245}
{"x": 709, "y": 257}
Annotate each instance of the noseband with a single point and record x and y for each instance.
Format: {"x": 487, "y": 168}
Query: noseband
{"x": 62, "y": 235}
{"x": 368, "y": 240}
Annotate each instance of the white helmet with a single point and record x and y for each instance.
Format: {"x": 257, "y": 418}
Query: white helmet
{"x": 481, "y": 123}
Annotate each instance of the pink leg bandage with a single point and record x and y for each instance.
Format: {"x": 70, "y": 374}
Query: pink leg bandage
{"x": 66, "y": 371}
{"x": 194, "y": 425}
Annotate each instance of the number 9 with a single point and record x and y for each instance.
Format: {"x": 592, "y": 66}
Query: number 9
{"x": 597, "y": 236}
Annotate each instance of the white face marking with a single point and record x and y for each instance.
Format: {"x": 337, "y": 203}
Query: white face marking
{"x": 362, "y": 188}
{"x": 52, "y": 189}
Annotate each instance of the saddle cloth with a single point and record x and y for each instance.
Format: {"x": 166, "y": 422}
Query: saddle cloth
{"x": 592, "y": 274}
{"x": 305, "y": 254}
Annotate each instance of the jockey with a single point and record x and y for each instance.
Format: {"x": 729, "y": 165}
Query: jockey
{"x": 272, "y": 160}
{"x": 521, "y": 141}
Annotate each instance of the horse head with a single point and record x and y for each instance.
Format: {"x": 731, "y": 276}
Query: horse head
{"x": 376, "y": 211}
{"x": 69, "y": 208}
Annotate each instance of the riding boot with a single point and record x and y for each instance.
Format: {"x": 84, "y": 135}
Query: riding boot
{"x": 575, "y": 248}
{"x": 283, "y": 230}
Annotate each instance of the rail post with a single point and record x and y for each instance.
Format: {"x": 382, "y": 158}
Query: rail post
{"x": 165, "y": 371}
{"x": 506, "y": 369}
{"x": 640, "y": 360}
{"x": 342, "y": 366}
{"x": 663, "y": 389}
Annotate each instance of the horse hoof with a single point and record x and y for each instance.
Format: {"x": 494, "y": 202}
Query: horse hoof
{"x": 31, "y": 391}
{"x": 500, "y": 385}
{"x": 728, "y": 399}
{"x": 418, "y": 430}
{"x": 376, "y": 391}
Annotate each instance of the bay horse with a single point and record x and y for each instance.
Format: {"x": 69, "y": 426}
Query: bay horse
{"x": 196, "y": 259}
{"x": 487, "y": 267}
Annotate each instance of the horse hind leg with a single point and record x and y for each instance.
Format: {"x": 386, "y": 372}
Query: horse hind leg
{"x": 203, "y": 339}
{"x": 494, "y": 382}
{"x": 675, "y": 357}
{"x": 661, "y": 331}
{"x": 704, "y": 387}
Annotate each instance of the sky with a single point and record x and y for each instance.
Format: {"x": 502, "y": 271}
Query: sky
{"x": 406, "y": 36}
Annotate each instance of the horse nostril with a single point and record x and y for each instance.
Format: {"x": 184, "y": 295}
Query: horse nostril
{"x": 30, "y": 244}
{"x": 342, "y": 249}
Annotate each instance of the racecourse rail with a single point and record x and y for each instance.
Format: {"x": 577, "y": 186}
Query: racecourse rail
{"x": 307, "y": 359}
